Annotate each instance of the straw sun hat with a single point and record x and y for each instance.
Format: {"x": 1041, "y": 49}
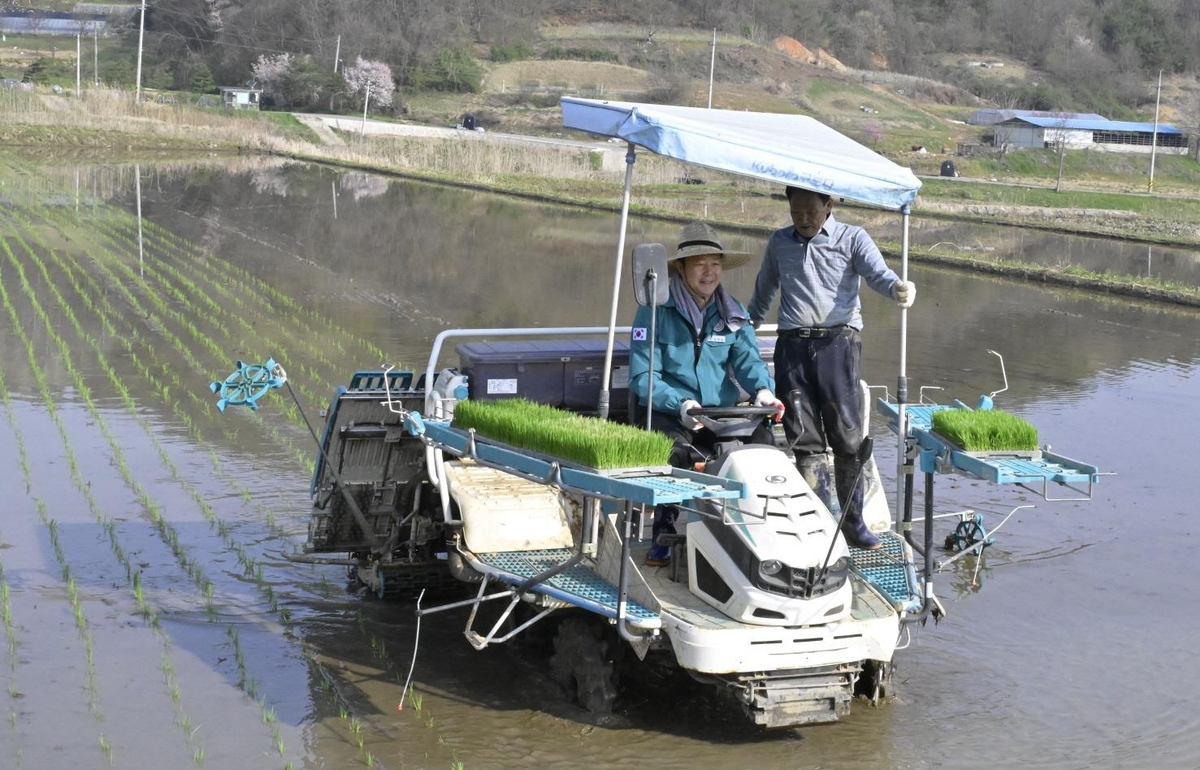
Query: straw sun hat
{"x": 698, "y": 238}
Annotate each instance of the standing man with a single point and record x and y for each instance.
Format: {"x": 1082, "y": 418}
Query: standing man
{"x": 817, "y": 265}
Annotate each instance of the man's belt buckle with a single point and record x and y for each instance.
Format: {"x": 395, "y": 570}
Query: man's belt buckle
{"x": 811, "y": 332}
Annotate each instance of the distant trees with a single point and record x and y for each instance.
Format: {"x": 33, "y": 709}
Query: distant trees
{"x": 295, "y": 82}
{"x": 452, "y": 69}
{"x": 1096, "y": 51}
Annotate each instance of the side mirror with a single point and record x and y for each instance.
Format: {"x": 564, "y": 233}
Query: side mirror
{"x": 650, "y": 274}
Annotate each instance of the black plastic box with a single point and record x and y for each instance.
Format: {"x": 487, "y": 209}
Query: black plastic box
{"x": 562, "y": 373}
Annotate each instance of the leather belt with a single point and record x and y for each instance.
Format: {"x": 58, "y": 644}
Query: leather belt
{"x": 812, "y": 332}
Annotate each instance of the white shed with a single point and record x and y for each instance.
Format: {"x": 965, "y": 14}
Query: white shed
{"x": 240, "y": 98}
{"x": 1076, "y": 134}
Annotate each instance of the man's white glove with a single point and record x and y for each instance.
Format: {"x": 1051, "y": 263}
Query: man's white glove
{"x": 906, "y": 293}
{"x": 685, "y": 419}
{"x": 765, "y": 397}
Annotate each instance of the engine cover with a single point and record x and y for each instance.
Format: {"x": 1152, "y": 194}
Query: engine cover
{"x": 761, "y": 561}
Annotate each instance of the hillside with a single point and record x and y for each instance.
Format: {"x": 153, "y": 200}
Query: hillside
{"x": 887, "y": 111}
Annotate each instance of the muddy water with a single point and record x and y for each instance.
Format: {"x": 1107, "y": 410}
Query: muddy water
{"x": 153, "y": 621}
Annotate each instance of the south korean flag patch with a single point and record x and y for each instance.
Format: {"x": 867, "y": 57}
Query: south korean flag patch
{"x": 639, "y": 334}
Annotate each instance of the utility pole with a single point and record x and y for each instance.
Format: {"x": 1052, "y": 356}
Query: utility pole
{"x": 78, "y": 66}
{"x": 337, "y": 52}
{"x": 1154, "y": 137}
{"x": 141, "y": 37}
{"x": 712, "y": 65}
{"x": 95, "y": 55}
{"x": 366, "y": 101}
{"x": 1062, "y": 147}
{"x": 1062, "y": 151}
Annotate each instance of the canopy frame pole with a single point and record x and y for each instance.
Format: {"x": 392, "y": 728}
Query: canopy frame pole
{"x": 902, "y": 379}
{"x": 602, "y": 406}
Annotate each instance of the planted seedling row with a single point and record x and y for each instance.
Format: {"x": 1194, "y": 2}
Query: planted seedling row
{"x": 147, "y": 609}
{"x": 190, "y": 564}
{"x": 141, "y": 311}
{"x": 316, "y": 325}
{"x": 239, "y": 329}
{"x": 11, "y": 640}
{"x": 167, "y": 380}
{"x": 167, "y": 532}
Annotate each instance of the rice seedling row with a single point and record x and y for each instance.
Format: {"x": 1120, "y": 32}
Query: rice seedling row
{"x": 168, "y": 380}
{"x": 190, "y": 357}
{"x": 169, "y": 534}
{"x": 190, "y": 564}
{"x": 179, "y": 284}
{"x": 303, "y": 456}
{"x": 376, "y": 644}
{"x": 146, "y": 608}
{"x": 53, "y": 411}
{"x": 11, "y": 640}
{"x": 308, "y": 323}
{"x": 243, "y": 558}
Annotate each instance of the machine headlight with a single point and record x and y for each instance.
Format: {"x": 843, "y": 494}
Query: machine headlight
{"x": 840, "y": 565}
{"x": 770, "y": 567}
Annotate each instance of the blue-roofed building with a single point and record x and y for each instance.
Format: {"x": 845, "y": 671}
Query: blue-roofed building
{"x": 991, "y": 116}
{"x": 1077, "y": 134}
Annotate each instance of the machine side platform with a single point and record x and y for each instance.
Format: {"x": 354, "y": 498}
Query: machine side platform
{"x": 889, "y": 570}
{"x": 578, "y": 586}
{"x": 1026, "y": 468}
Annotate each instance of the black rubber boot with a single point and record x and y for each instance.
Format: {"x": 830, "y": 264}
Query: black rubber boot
{"x": 853, "y": 526}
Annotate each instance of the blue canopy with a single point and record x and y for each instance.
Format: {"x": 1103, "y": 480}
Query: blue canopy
{"x": 786, "y": 149}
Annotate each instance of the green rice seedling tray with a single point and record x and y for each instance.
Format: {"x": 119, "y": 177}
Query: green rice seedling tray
{"x": 586, "y": 441}
{"x": 641, "y": 486}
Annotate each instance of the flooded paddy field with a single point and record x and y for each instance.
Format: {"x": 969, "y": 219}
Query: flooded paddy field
{"x": 152, "y": 619}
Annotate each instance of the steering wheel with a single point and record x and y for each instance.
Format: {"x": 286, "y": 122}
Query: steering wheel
{"x": 732, "y": 422}
{"x": 725, "y": 412}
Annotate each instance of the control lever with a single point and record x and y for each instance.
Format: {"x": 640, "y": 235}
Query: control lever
{"x": 794, "y": 398}
{"x": 861, "y": 457}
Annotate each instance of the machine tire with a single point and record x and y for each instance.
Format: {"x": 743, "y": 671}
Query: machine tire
{"x": 582, "y": 664}
{"x": 877, "y": 684}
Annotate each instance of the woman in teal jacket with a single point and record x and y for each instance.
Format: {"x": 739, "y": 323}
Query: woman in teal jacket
{"x": 702, "y": 335}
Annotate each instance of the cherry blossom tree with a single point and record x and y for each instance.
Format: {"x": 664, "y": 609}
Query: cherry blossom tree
{"x": 376, "y": 75}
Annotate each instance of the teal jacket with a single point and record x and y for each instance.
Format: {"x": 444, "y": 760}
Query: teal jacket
{"x": 690, "y": 366}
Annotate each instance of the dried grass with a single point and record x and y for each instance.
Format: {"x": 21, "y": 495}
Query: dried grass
{"x": 114, "y": 118}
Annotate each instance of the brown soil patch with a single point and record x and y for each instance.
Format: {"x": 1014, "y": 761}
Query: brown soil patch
{"x": 794, "y": 49}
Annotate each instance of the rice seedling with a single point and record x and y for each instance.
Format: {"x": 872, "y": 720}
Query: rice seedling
{"x": 151, "y": 507}
{"x": 198, "y": 755}
{"x": 589, "y": 441}
{"x": 979, "y": 430}
{"x": 48, "y": 400}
